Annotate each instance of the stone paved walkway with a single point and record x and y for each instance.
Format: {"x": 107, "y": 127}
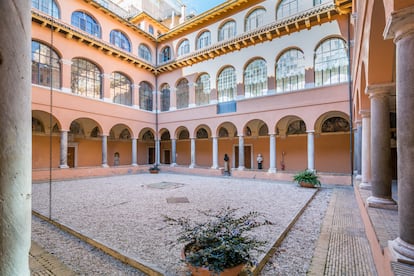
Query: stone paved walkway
{"x": 343, "y": 248}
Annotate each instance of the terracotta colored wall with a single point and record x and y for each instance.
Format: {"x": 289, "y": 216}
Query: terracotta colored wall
{"x": 89, "y": 153}
{"x": 41, "y": 151}
{"x": 295, "y": 148}
{"x": 204, "y": 157}
{"x": 124, "y": 148}
{"x": 332, "y": 153}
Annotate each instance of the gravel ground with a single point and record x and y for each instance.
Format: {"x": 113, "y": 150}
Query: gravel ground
{"x": 125, "y": 213}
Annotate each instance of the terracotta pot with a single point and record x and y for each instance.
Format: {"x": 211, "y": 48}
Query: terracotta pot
{"x": 306, "y": 185}
{"x": 153, "y": 171}
{"x": 203, "y": 271}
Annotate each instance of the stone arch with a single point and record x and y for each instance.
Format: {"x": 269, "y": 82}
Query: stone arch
{"x": 254, "y": 127}
{"x": 290, "y": 125}
{"x": 226, "y": 129}
{"x": 333, "y": 121}
{"x": 41, "y": 122}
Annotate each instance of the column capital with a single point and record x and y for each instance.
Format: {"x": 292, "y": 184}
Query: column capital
{"x": 365, "y": 113}
{"x": 380, "y": 90}
{"x": 400, "y": 24}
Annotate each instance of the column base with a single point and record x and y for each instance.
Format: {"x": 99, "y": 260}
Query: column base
{"x": 383, "y": 203}
{"x": 401, "y": 251}
{"x": 63, "y": 167}
{"x": 104, "y": 166}
{"x": 358, "y": 177}
{"x": 365, "y": 186}
{"x": 173, "y": 165}
{"x": 192, "y": 166}
{"x": 134, "y": 165}
{"x": 271, "y": 170}
{"x": 215, "y": 167}
{"x": 241, "y": 168}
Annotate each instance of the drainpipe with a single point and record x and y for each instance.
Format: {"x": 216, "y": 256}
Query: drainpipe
{"x": 157, "y": 142}
{"x": 351, "y": 117}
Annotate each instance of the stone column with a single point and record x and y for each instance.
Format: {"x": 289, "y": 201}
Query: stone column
{"x": 134, "y": 152}
{"x": 157, "y": 151}
{"x": 215, "y": 153}
{"x": 400, "y": 26}
{"x": 63, "y": 149}
{"x": 173, "y": 152}
{"x": 193, "y": 153}
{"x": 357, "y": 150}
{"x": 272, "y": 146}
{"x": 241, "y": 153}
{"x": 16, "y": 137}
{"x": 365, "y": 150}
{"x": 380, "y": 146}
{"x": 311, "y": 150}
{"x": 105, "y": 151}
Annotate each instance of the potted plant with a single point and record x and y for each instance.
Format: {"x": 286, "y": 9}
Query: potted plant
{"x": 219, "y": 245}
{"x": 307, "y": 178}
{"x": 154, "y": 169}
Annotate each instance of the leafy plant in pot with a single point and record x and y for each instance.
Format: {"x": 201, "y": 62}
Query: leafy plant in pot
{"x": 154, "y": 169}
{"x": 220, "y": 243}
{"x": 307, "y": 178}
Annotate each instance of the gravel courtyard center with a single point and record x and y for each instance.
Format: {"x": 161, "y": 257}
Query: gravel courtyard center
{"x": 126, "y": 212}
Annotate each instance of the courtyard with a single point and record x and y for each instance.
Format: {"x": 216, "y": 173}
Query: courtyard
{"x": 125, "y": 213}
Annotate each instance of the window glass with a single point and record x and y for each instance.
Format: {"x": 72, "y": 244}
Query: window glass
{"x": 202, "y": 90}
{"x": 86, "y": 23}
{"x": 145, "y": 53}
{"x": 183, "y": 48}
{"x": 254, "y": 20}
{"x": 255, "y": 78}
{"x": 227, "y": 31}
{"x": 165, "y": 97}
{"x": 45, "y": 66}
{"x": 121, "y": 89}
{"x": 226, "y": 85}
{"x": 47, "y": 6}
{"x": 86, "y": 78}
{"x": 120, "y": 40}
{"x": 204, "y": 40}
{"x": 165, "y": 54}
{"x": 287, "y": 8}
{"x": 290, "y": 71}
{"x": 182, "y": 94}
{"x": 331, "y": 62}
{"x": 145, "y": 96}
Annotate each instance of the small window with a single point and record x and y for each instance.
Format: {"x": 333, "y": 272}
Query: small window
{"x": 182, "y": 94}
{"x": 165, "y": 54}
{"x": 86, "y": 23}
{"x": 46, "y": 68}
{"x": 254, "y": 20}
{"x": 151, "y": 29}
{"x": 183, "y": 48}
{"x": 203, "y": 40}
{"x": 145, "y": 53}
{"x": 287, "y": 8}
{"x": 165, "y": 97}
{"x": 227, "y": 31}
{"x": 145, "y": 96}
{"x": 120, "y": 40}
{"x": 47, "y": 6}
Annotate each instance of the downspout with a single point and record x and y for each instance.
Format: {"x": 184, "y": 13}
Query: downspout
{"x": 157, "y": 142}
{"x": 351, "y": 119}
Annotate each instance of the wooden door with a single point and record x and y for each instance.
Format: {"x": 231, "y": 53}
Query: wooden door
{"x": 167, "y": 157}
{"x": 71, "y": 157}
{"x": 151, "y": 155}
{"x": 247, "y": 157}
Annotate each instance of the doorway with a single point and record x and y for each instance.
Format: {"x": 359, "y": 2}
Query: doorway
{"x": 151, "y": 155}
{"x": 247, "y": 157}
{"x": 71, "y": 157}
{"x": 167, "y": 157}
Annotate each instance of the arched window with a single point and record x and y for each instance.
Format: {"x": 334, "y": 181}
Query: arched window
{"x": 182, "y": 94}
{"x": 331, "y": 62}
{"x": 145, "y": 96}
{"x": 203, "y": 40}
{"x": 120, "y": 40}
{"x": 183, "y": 48}
{"x": 290, "y": 71}
{"x": 151, "y": 29}
{"x": 286, "y": 8}
{"x": 144, "y": 52}
{"x": 202, "y": 90}
{"x": 121, "y": 89}
{"x": 255, "y": 78}
{"x": 86, "y": 78}
{"x": 254, "y": 20}
{"x": 165, "y": 54}
{"x": 226, "y": 85}
{"x": 45, "y": 65}
{"x": 227, "y": 31}
{"x": 165, "y": 97}
{"x": 86, "y": 23}
{"x": 47, "y": 6}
